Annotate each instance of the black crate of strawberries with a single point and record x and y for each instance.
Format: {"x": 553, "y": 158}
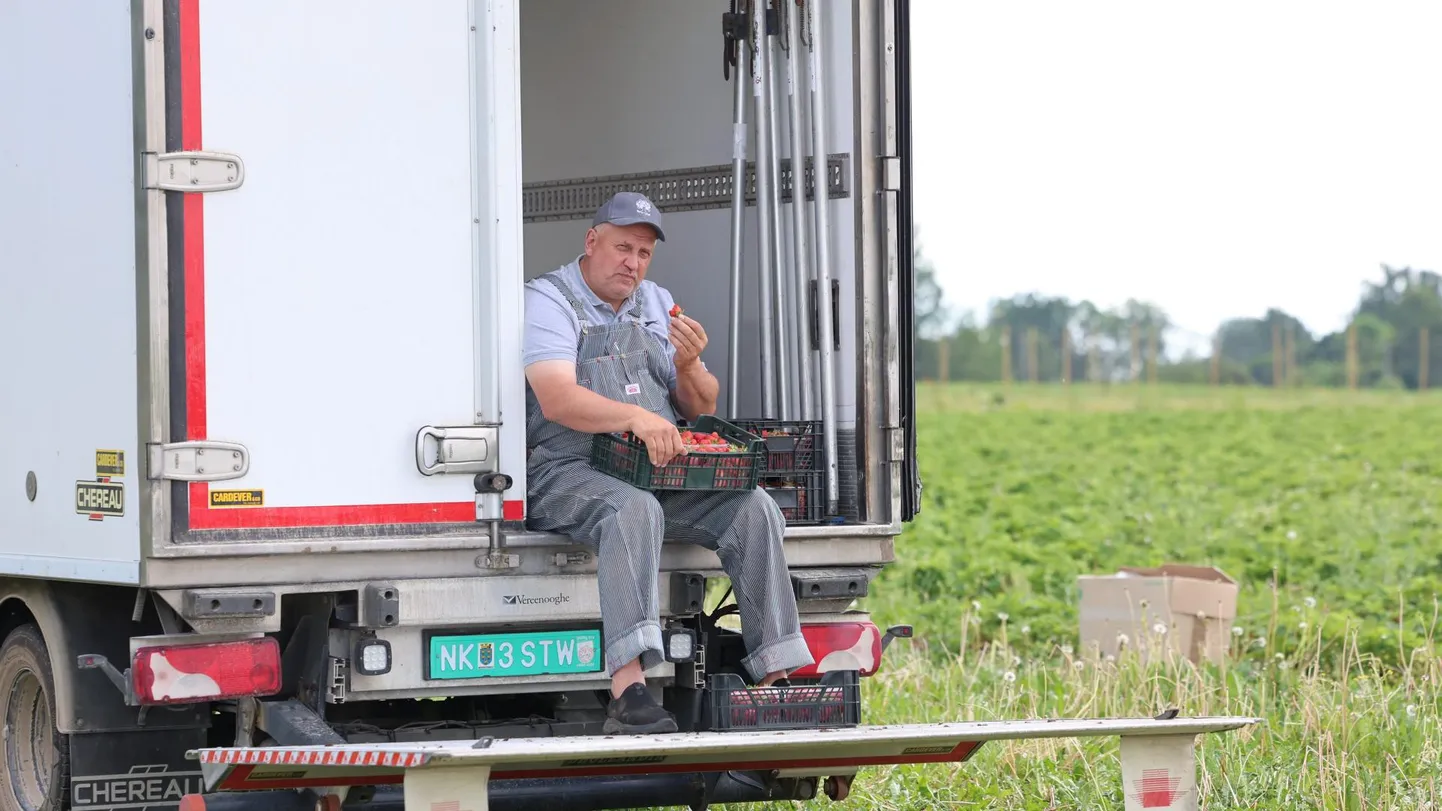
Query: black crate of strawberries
{"x": 795, "y": 467}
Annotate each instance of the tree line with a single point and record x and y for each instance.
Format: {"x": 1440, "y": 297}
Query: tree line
{"x": 1387, "y": 343}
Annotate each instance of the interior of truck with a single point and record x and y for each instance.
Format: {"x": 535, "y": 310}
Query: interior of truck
{"x": 653, "y": 111}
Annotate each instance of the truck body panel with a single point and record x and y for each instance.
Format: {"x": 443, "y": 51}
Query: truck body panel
{"x": 68, "y": 315}
{"x": 364, "y": 280}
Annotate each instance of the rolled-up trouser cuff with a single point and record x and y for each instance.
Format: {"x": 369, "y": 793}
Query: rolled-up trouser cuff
{"x": 643, "y": 640}
{"x": 787, "y": 653}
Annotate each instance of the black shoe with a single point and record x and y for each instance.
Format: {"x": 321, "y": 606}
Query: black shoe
{"x": 637, "y": 713}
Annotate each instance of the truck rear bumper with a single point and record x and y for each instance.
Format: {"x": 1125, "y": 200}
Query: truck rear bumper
{"x": 299, "y": 561}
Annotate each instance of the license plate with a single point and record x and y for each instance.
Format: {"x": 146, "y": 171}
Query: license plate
{"x": 529, "y": 654}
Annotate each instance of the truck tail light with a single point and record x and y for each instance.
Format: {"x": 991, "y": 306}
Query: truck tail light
{"x": 841, "y": 646}
{"x": 188, "y": 674}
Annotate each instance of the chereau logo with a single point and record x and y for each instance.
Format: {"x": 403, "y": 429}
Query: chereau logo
{"x": 521, "y": 599}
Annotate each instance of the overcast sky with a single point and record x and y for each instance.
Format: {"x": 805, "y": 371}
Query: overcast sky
{"x": 1216, "y": 158}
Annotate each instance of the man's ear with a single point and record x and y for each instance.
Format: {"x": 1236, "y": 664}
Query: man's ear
{"x": 592, "y": 235}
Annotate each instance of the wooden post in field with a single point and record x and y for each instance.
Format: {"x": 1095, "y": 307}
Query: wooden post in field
{"x": 1006, "y": 354}
{"x": 1066, "y": 357}
{"x": 1217, "y": 359}
{"x": 1352, "y": 357}
{"x": 1423, "y": 344}
{"x": 1094, "y": 363}
{"x": 943, "y": 358}
{"x": 1136, "y": 349}
{"x": 1031, "y": 358}
{"x": 1289, "y": 357}
{"x": 1276, "y": 354}
{"x": 1152, "y": 355}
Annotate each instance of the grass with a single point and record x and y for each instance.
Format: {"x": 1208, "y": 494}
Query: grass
{"x": 1322, "y": 504}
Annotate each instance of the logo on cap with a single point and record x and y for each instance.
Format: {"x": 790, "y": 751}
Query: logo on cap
{"x": 643, "y": 205}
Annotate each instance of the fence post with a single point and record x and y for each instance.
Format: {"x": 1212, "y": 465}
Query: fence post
{"x": 1152, "y": 355}
{"x": 1066, "y": 356}
{"x": 1217, "y": 359}
{"x": 1289, "y": 354}
{"x": 1006, "y": 354}
{"x": 943, "y": 353}
{"x": 1136, "y": 352}
{"x": 1352, "y": 357}
{"x": 1276, "y": 355}
{"x": 1031, "y": 358}
{"x": 1424, "y": 344}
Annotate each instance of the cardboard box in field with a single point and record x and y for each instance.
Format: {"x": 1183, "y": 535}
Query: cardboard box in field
{"x": 1195, "y": 605}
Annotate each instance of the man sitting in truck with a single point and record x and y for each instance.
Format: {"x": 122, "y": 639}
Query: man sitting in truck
{"x": 604, "y": 354}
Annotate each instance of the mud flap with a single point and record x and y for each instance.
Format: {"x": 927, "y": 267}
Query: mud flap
{"x": 133, "y": 770}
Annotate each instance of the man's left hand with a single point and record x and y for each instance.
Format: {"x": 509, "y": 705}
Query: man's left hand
{"x": 689, "y": 338}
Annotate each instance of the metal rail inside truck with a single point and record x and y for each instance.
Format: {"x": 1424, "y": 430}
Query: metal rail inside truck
{"x": 262, "y": 407}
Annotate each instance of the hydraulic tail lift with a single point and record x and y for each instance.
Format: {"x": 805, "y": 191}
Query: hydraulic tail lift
{"x": 1158, "y": 763}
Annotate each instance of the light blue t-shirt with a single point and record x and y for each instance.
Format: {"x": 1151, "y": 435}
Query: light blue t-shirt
{"x": 552, "y": 331}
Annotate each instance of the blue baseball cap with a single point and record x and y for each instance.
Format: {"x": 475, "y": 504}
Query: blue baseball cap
{"x": 630, "y": 208}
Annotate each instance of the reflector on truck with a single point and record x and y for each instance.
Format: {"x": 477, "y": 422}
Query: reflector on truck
{"x": 185, "y": 674}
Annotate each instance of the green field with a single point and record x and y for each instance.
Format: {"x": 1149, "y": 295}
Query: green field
{"x": 1323, "y": 505}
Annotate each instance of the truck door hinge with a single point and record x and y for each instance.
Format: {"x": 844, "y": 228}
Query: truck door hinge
{"x": 890, "y": 173}
{"x": 205, "y": 460}
{"x": 896, "y": 440}
{"x": 193, "y": 171}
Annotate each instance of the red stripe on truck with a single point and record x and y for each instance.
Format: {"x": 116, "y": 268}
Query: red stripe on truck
{"x": 201, "y": 515}
{"x": 194, "y": 231}
{"x": 443, "y": 512}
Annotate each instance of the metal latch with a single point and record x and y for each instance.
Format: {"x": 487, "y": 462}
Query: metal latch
{"x": 462, "y": 449}
{"x": 204, "y": 460}
{"x": 194, "y": 171}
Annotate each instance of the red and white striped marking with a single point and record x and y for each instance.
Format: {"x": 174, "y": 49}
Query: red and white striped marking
{"x": 264, "y": 756}
{"x": 1159, "y": 772}
{"x": 1157, "y": 788}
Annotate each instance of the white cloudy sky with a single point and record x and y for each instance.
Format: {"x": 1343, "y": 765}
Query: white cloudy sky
{"x": 1215, "y": 158}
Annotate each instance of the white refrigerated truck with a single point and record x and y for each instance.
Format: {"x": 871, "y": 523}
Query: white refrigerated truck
{"x": 262, "y": 457}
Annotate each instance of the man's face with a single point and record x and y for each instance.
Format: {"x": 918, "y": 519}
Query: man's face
{"x": 617, "y": 257}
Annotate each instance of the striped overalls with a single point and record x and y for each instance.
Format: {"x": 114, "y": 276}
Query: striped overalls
{"x": 625, "y": 525}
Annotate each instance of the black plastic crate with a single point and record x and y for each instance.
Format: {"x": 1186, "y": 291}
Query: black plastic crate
{"x": 834, "y": 701}
{"x": 792, "y": 446}
{"x": 801, "y": 496}
{"x": 625, "y": 457}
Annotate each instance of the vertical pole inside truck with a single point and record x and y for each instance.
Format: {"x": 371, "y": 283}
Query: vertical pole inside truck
{"x": 734, "y": 60}
{"x": 821, "y": 275}
{"x": 780, "y": 325}
{"x": 761, "y": 70}
{"x": 799, "y": 276}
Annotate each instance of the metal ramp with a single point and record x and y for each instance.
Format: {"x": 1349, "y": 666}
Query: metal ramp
{"x": 1157, "y": 759}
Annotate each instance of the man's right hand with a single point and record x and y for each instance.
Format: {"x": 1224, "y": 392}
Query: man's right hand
{"x": 662, "y": 439}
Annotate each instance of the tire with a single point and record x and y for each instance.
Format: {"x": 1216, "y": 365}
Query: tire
{"x": 34, "y": 756}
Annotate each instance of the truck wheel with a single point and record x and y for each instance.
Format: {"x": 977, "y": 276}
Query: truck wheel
{"x": 34, "y": 756}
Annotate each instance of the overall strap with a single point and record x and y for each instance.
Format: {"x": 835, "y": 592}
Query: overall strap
{"x": 570, "y": 297}
{"x": 638, "y": 306}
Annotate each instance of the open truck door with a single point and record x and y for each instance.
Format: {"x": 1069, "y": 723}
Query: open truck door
{"x": 343, "y": 294}
{"x": 1157, "y": 761}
